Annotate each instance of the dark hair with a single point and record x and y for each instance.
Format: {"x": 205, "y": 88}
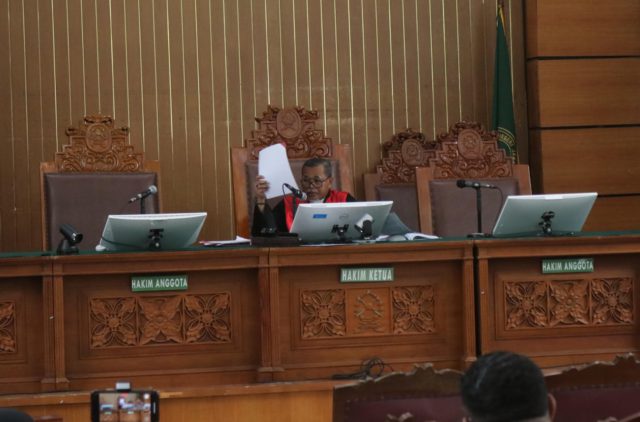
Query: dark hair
{"x": 504, "y": 387}
{"x": 319, "y": 161}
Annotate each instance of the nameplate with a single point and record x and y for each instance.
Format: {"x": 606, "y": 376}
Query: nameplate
{"x": 570, "y": 265}
{"x": 159, "y": 283}
{"x": 356, "y": 275}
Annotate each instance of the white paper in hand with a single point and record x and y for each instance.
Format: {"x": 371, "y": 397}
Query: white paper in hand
{"x": 274, "y": 165}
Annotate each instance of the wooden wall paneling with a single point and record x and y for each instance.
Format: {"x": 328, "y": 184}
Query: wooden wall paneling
{"x": 313, "y": 54}
{"x": 90, "y": 55}
{"x": 207, "y": 118}
{"x": 610, "y": 100}
{"x": 119, "y": 70}
{"x": 372, "y": 136}
{"x": 466, "y": 68}
{"x": 607, "y": 161}
{"x": 61, "y": 79}
{"x": 33, "y": 123}
{"x": 245, "y": 33}
{"x": 614, "y": 213}
{"x": 557, "y": 28}
{"x": 384, "y": 72}
{"x": 343, "y": 76}
{"x": 20, "y": 124}
{"x": 438, "y": 60}
{"x": 452, "y": 64}
{"x": 288, "y": 40}
{"x": 425, "y": 63}
{"x": 178, "y": 103}
{"x": 193, "y": 98}
{"x": 358, "y": 95}
{"x": 105, "y": 76}
{"x": 149, "y": 82}
{"x": 222, "y": 138}
{"x": 8, "y": 226}
{"x": 131, "y": 66}
{"x": 410, "y": 45}
{"x": 478, "y": 61}
{"x": 397, "y": 53}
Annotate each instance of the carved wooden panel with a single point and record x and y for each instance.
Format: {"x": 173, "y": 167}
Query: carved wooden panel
{"x": 469, "y": 151}
{"x": 586, "y": 302}
{"x": 155, "y": 320}
{"x": 7, "y": 327}
{"x": 413, "y": 310}
{"x": 403, "y": 153}
{"x": 323, "y": 313}
{"x": 295, "y": 128}
{"x": 367, "y": 311}
{"x": 97, "y": 146}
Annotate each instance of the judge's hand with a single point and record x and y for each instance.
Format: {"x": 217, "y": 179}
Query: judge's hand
{"x": 260, "y": 188}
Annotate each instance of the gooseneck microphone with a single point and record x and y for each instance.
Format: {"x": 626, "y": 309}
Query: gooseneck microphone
{"x": 296, "y": 192}
{"x": 151, "y": 190}
{"x": 461, "y": 183}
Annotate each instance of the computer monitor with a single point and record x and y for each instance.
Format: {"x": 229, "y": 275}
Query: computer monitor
{"x": 523, "y": 214}
{"x": 315, "y": 222}
{"x": 128, "y": 232}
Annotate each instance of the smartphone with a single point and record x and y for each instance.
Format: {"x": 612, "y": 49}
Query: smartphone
{"x": 125, "y": 406}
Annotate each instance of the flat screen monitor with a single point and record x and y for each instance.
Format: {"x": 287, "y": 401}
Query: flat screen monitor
{"x": 129, "y": 232}
{"x": 523, "y": 214}
{"x": 315, "y": 222}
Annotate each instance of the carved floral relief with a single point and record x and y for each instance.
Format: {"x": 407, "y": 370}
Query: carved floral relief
{"x": 7, "y": 327}
{"x": 160, "y": 320}
{"x": 553, "y": 303}
{"x": 413, "y": 309}
{"x": 323, "y": 313}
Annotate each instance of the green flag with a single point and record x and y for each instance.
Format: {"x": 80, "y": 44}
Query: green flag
{"x": 503, "y": 120}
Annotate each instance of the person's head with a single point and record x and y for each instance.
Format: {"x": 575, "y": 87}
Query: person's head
{"x": 506, "y": 387}
{"x": 316, "y": 178}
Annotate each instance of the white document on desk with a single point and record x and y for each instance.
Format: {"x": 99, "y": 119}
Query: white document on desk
{"x": 274, "y": 165}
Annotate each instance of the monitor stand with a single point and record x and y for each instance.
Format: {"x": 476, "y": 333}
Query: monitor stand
{"x": 155, "y": 236}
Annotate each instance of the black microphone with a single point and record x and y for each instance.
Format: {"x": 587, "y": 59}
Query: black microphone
{"x": 296, "y": 192}
{"x": 151, "y": 190}
{"x": 461, "y": 183}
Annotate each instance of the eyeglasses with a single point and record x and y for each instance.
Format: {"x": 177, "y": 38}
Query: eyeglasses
{"x": 313, "y": 181}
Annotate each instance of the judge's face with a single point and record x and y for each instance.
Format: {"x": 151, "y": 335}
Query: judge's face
{"x": 315, "y": 183}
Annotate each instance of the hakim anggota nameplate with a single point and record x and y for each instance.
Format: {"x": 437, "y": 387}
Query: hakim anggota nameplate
{"x": 567, "y": 265}
{"x": 159, "y": 283}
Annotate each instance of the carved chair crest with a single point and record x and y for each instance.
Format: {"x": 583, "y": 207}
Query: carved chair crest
{"x": 97, "y": 146}
{"x": 295, "y": 128}
{"x": 469, "y": 151}
{"x": 404, "y": 152}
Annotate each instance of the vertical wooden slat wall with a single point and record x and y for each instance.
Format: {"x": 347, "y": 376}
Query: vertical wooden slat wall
{"x": 583, "y": 67}
{"x": 189, "y": 76}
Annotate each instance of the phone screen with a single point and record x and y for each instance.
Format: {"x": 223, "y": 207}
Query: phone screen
{"x": 124, "y": 406}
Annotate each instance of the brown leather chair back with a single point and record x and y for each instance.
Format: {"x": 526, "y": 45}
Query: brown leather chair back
{"x": 395, "y": 179}
{"x": 466, "y": 152}
{"x": 95, "y": 175}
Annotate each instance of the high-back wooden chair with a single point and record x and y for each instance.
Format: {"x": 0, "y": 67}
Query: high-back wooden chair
{"x": 395, "y": 176}
{"x": 466, "y": 152}
{"x": 424, "y": 394}
{"x": 295, "y": 128}
{"x": 95, "y": 175}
